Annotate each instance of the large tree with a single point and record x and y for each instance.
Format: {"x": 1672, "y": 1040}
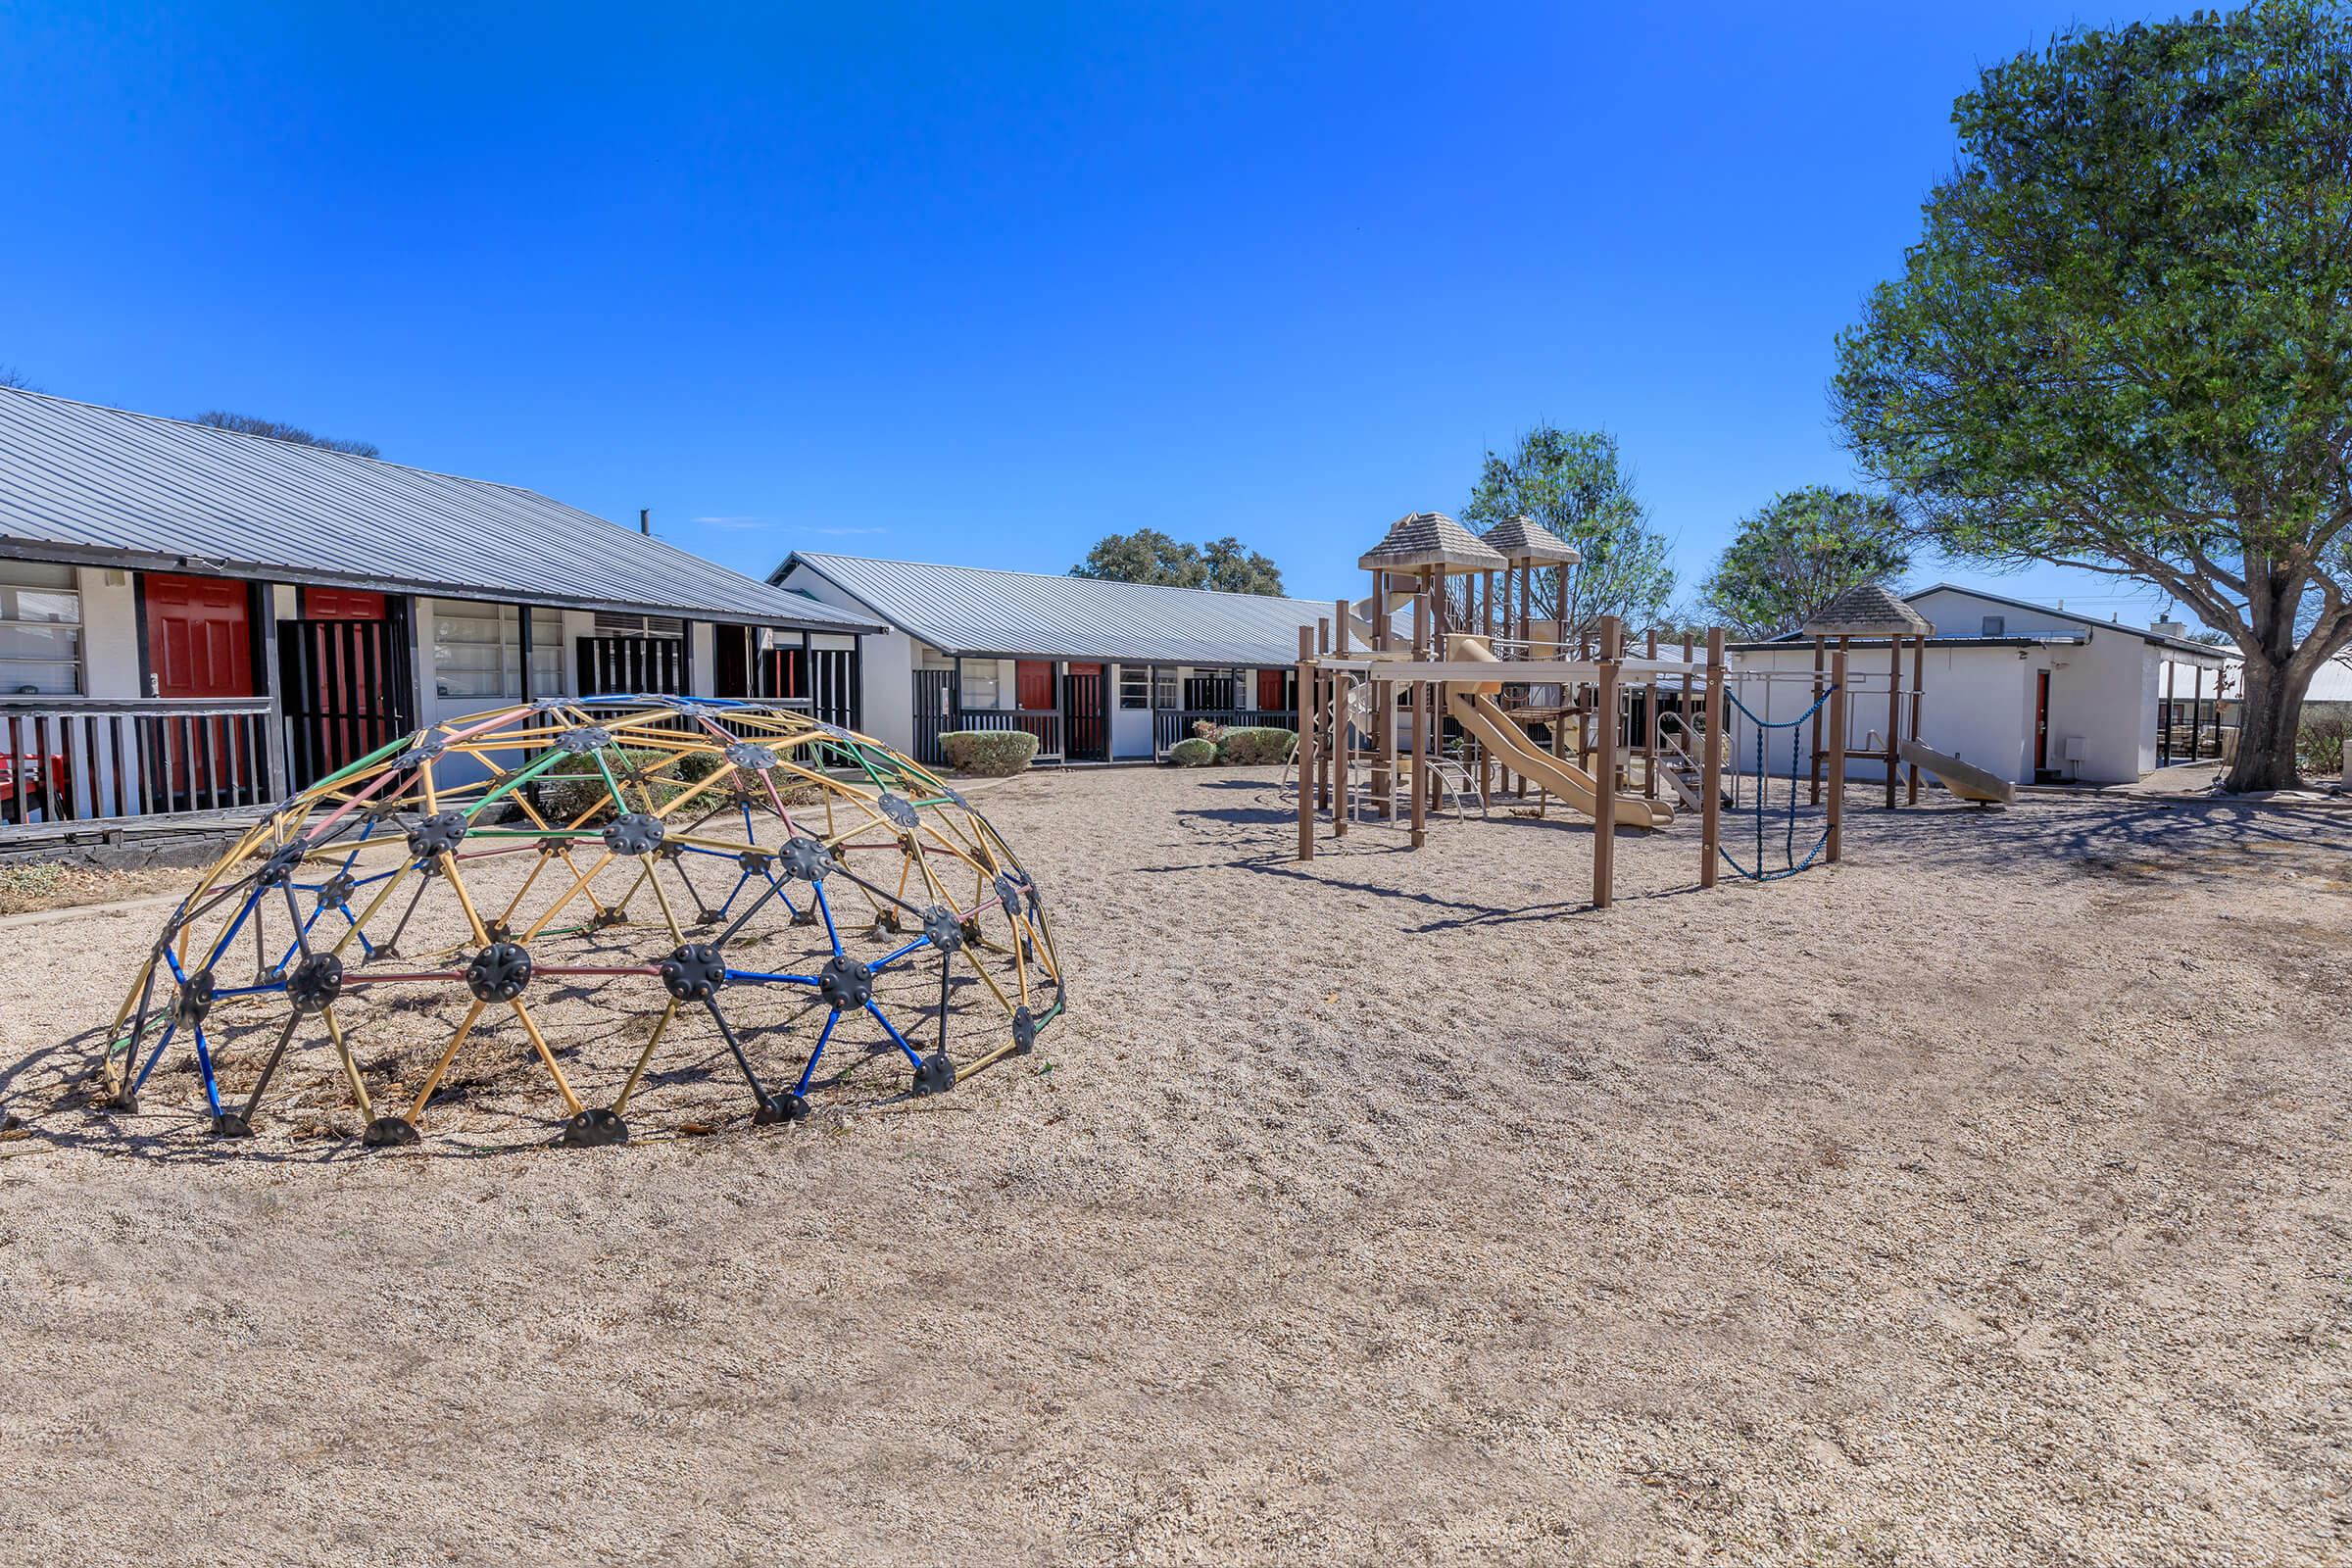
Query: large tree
{"x": 275, "y": 431}
{"x": 2124, "y": 340}
{"x": 1148, "y": 556}
{"x": 1802, "y": 549}
{"x": 1574, "y": 483}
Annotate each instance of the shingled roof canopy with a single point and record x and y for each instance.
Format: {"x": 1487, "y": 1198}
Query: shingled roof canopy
{"x": 1868, "y": 610}
{"x": 1523, "y": 539}
{"x": 1431, "y": 539}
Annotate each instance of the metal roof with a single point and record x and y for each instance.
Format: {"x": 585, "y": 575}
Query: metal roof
{"x": 105, "y": 486}
{"x": 2180, "y": 645}
{"x": 972, "y": 610}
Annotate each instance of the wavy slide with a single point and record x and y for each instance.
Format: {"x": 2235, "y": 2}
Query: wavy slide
{"x": 1473, "y": 708}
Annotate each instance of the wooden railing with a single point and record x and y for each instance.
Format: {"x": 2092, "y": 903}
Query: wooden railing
{"x": 84, "y": 759}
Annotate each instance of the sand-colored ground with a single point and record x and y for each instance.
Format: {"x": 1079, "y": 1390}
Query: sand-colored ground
{"x": 1984, "y": 1200}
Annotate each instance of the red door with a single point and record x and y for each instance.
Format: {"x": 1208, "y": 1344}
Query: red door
{"x": 342, "y": 603}
{"x": 199, "y": 636}
{"x": 2041, "y": 721}
{"x": 1033, "y": 685}
{"x": 199, "y": 644}
{"x": 1269, "y": 689}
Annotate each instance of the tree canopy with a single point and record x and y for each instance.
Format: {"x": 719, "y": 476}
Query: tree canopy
{"x": 1148, "y": 556}
{"x": 1800, "y": 551}
{"x": 248, "y": 424}
{"x": 2121, "y": 341}
{"x": 1574, "y": 483}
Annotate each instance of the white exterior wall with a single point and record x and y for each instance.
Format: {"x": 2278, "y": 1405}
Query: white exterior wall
{"x": 885, "y": 663}
{"x": 109, "y": 633}
{"x": 1977, "y": 707}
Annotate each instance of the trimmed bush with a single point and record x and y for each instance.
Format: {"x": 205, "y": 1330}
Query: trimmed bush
{"x": 574, "y": 784}
{"x": 1194, "y": 752}
{"x": 989, "y": 753}
{"x": 1245, "y": 748}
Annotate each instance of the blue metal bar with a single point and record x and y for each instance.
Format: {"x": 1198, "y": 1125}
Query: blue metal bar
{"x": 918, "y": 941}
{"x": 204, "y": 1066}
{"x": 892, "y": 1031}
{"x": 822, "y": 1035}
{"x": 755, "y": 974}
{"x": 826, "y": 909}
{"x": 164, "y": 1040}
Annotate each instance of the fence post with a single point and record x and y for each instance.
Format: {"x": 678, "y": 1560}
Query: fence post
{"x": 1837, "y": 759}
{"x": 1305, "y": 756}
{"x": 1605, "y": 767}
{"x": 1710, "y": 802}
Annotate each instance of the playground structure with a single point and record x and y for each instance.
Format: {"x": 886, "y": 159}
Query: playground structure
{"x": 1536, "y": 707}
{"x": 419, "y": 891}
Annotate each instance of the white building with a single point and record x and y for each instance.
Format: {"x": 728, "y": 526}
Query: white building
{"x": 2028, "y": 692}
{"x": 1099, "y": 671}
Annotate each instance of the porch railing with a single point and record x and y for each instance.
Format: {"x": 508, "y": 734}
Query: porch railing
{"x": 84, "y": 759}
{"x": 1046, "y": 726}
{"x": 1172, "y": 724}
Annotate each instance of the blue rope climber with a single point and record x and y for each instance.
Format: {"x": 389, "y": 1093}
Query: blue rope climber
{"x": 1790, "y": 865}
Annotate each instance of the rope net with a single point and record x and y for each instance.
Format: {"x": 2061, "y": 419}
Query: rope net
{"x": 1791, "y": 864}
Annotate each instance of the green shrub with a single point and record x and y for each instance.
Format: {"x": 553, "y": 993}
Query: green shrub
{"x": 574, "y": 784}
{"x": 1194, "y": 752}
{"x": 2320, "y": 746}
{"x": 989, "y": 753}
{"x": 1245, "y": 748}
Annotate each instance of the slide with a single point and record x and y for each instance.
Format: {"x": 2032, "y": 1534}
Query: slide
{"x": 1964, "y": 779}
{"x": 1473, "y": 708}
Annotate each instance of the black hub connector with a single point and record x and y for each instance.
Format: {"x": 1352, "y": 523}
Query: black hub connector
{"x": 314, "y": 984}
{"x": 845, "y": 984}
{"x": 806, "y": 859}
{"x": 593, "y": 1129}
{"x": 943, "y": 928}
{"x": 695, "y": 972}
{"x": 195, "y": 1000}
{"x": 935, "y": 1075}
{"x": 437, "y": 835}
{"x": 498, "y": 972}
{"x": 390, "y": 1132}
{"x": 633, "y": 834}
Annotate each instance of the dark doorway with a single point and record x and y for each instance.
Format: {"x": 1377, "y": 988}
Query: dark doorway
{"x": 627, "y": 665}
{"x": 2042, "y": 723}
{"x": 731, "y": 675}
{"x": 1084, "y": 716}
{"x": 344, "y": 683}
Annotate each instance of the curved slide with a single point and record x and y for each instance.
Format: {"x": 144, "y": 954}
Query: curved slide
{"x": 1473, "y": 708}
{"x": 1964, "y": 779}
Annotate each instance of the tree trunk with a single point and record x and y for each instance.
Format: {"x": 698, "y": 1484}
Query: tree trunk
{"x": 2270, "y": 716}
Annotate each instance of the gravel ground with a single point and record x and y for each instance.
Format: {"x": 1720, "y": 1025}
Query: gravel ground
{"x": 1981, "y": 1201}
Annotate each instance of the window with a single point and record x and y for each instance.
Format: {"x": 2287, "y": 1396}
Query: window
{"x": 1135, "y": 686}
{"x": 40, "y": 630}
{"x": 979, "y": 683}
{"x": 1163, "y": 688}
{"x": 477, "y": 649}
{"x": 1994, "y": 624}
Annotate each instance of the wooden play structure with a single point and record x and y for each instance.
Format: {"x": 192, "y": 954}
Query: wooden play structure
{"x": 1529, "y": 709}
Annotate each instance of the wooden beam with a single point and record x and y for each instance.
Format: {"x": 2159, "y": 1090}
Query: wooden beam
{"x": 1895, "y": 713}
{"x": 1919, "y": 680}
{"x": 1420, "y": 699}
{"x": 1307, "y": 745}
{"x": 1604, "y": 770}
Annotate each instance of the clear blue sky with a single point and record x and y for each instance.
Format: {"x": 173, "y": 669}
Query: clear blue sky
{"x": 982, "y": 284}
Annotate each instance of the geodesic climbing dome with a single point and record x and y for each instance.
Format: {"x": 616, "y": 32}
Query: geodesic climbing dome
{"x": 619, "y": 894}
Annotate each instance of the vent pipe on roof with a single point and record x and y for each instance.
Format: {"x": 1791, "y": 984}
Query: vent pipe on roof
{"x": 645, "y": 520}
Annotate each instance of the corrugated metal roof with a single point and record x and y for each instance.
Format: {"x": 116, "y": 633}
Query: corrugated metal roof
{"x": 81, "y": 482}
{"x": 972, "y": 610}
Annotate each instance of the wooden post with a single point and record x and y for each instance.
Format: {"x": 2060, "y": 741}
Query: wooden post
{"x": 2164, "y": 741}
{"x": 1383, "y": 710}
{"x": 1837, "y": 759}
{"x": 1894, "y": 712}
{"x": 1649, "y": 721}
{"x": 1710, "y": 802}
{"x": 1605, "y": 771}
{"x": 1919, "y": 679}
{"x": 1815, "y": 765}
{"x": 1421, "y": 720}
{"x": 1307, "y": 743}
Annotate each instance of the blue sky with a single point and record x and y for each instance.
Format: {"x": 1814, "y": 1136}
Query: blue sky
{"x": 983, "y": 284}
